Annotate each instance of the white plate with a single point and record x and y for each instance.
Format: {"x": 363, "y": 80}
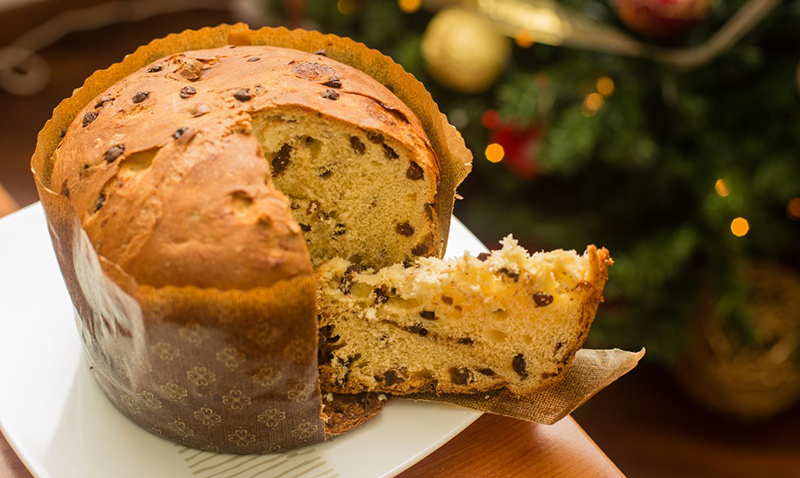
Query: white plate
{"x": 61, "y": 425}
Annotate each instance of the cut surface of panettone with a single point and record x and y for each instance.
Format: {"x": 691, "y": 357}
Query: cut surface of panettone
{"x": 508, "y": 319}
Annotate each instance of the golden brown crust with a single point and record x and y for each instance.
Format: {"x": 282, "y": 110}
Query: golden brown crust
{"x": 344, "y": 412}
{"x": 185, "y": 119}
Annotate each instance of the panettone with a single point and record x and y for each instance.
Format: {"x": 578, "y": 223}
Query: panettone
{"x": 180, "y": 172}
{"x": 502, "y": 320}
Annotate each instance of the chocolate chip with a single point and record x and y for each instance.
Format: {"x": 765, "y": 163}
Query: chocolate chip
{"x": 179, "y": 132}
{"x": 199, "y": 109}
{"x": 519, "y": 366}
{"x": 253, "y": 58}
{"x": 408, "y": 263}
{"x": 483, "y": 256}
{"x": 281, "y": 161}
{"x": 428, "y": 314}
{"x": 321, "y": 52}
{"x": 187, "y": 91}
{"x": 103, "y": 100}
{"x": 339, "y": 230}
{"x": 466, "y": 341}
{"x": 375, "y": 137}
{"x": 243, "y": 95}
{"x": 420, "y": 250}
{"x": 357, "y": 145}
{"x": 305, "y": 227}
{"x": 333, "y": 82}
{"x": 458, "y": 308}
{"x": 404, "y": 229}
{"x": 512, "y": 275}
{"x": 414, "y": 172}
{"x": 542, "y": 299}
{"x": 389, "y": 152}
{"x": 88, "y": 118}
{"x": 393, "y": 377}
{"x": 101, "y": 199}
{"x": 486, "y": 371}
{"x": 140, "y": 96}
{"x": 155, "y": 68}
{"x": 460, "y": 376}
{"x": 330, "y": 94}
{"x": 380, "y": 295}
{"x": 418, "y": 329}
{"x": 114, "y": 152}
{"x": 447, "y": 300}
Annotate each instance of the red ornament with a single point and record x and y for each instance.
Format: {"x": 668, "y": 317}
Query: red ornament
{"x": 520, "y": 146}
{"x": 661, "y": 19}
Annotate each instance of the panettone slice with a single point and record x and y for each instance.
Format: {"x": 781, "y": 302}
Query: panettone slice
{"x": 507, "y": 319}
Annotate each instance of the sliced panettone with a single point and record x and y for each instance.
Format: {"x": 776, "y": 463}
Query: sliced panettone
{"x": 506, "y": 319}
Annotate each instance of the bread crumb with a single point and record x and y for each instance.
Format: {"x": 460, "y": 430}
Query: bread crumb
{"x": 382, "y": 397}
{"x": 329, "y": 396}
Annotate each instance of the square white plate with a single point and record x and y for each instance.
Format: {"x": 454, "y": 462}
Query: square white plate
{"x": 61, "y": 425}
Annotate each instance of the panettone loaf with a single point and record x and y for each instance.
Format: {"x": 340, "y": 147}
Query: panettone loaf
{"x": 505, "y": 319}
{"x": 180, "y": 172}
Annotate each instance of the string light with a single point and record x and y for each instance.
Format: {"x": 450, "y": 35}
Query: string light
{"x": 494, "y": 153}
{"x": 605, "y": 86}
{"x": 409, "y": 6}
{"x": 740, "y": 226}
{"x": 722, "y": 187}
{"x": 793, "y": 209}
{"x": 346, "y": 7}
{"x": 523, "y": 39}
{"x": 593, "y": 101}
{"x": 490, "y": 119}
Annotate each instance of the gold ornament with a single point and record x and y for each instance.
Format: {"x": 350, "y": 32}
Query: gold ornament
{"x": 750, "y": 380}
{"x": 464, "y": 50}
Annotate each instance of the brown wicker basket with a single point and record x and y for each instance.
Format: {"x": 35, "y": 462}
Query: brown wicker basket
{"x": 755, "y": 381}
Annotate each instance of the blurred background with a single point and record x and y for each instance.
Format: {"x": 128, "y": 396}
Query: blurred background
{"x": 665, "y": 130}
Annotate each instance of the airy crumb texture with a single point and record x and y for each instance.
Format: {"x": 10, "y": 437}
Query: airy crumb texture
{"x": 506, "y": 319}
{"x": 355, "y": 194}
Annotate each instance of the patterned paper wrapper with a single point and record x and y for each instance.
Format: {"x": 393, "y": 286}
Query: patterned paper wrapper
{"x": 236, "y": 371}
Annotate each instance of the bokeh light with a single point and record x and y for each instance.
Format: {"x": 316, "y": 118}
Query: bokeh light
{"x": 346, "y": 7}
{"x": 722, "y": 187}
{"x": 494, "y": 153}
{"x": 793, "y": 209}
{"x": 409, "y": 6}
{"x": 605, "y": 86}
{"x": 490, "y": 119}
{"x": 523, "y": 38}
{"x": 740, "y": 226}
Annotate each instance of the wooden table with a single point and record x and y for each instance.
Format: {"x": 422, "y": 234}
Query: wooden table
{"x": 493, "y": 446}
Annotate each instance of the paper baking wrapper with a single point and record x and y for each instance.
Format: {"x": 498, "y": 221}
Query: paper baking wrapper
{"x": 236, "y": 371}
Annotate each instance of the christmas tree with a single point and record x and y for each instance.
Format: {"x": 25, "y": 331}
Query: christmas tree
{"x": 687, "y": 176}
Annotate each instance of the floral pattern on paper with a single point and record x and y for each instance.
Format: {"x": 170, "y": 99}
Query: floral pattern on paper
{"x": 241, "y": 438}
{"x": 301, "y": 392}
{"x": 174, "y": 392}
{"x": 266, "y": 377}
{"x": 298, "y": 350}
{"x": 200, "y": 376}
{"x": 131, "y": 405}
{"x": 260, "y": 334}
{"x": 149, "y": 400}
{"x": 230, "y": 357}
{"x": 181, "y": 429}
{"x": 207, "y": 416}
{"x": 236, "y": 399}
{"x": 305, "y": 431}
{"x": 271, "y": 417}
{"x": 165, "y": 351}
{"x": 194, "y": 334}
